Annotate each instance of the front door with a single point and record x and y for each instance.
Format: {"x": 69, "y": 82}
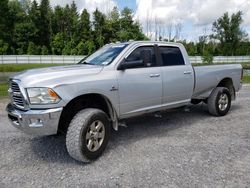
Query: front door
{"x": 140, "y": 88}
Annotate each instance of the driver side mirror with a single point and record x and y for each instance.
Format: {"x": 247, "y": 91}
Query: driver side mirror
{"x": 144, "y": 61}
{"x": 130, "y": 64}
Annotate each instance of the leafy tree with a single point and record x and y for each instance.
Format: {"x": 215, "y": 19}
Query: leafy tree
{"x": 81, "y": 48}
{"x": 114, "y": 18}
{"x": 243, "y": 48}
{"x": 3, "y": 47}
{"x": 33, "y": 49}
{"x": 190, "y": 47}
{"x": 130, "y": 30}
{"x": 84, "y": 26}
{"x": 227, "y": 30}
{"x": 70, "y": 17}
{"x": 57, "y": 20}
{"x": 99, "y": 23}
{"x": 126, "y": 22}
{"x": 74, "y": 21}
{"x": 4, "y": 12}
{"x": 113, "y": 25}
{"x": 45, "y": 24}
{"x": 35, "y": 28}
{"x": 67, "y": 49}
{"x": 44, "y": 50}
{"x": 29, "y": 27}
{"x": 24, "y": 32}
{"x": 58, "y": 44}
{"x": 17, "y": 16}
{"x": 207, "y": 58}
{"x": 90, "y": 47}
{"x": 126, "y": 18}
{"x": 6, "y": 28}
{"x": 34, "y": 18}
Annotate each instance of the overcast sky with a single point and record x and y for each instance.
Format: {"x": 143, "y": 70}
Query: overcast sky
{"x": 194, "y": 15}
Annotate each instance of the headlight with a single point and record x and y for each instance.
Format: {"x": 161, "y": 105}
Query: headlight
{"x": 42, "y": 96}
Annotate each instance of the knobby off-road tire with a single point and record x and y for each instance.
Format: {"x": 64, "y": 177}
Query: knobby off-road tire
{"x": 88, "y": 135}
{"x": 219, "y": 101}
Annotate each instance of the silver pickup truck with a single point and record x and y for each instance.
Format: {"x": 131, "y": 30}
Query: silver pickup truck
{"x": 119, "y": 81}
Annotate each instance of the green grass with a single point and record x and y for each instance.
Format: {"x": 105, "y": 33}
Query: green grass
{"x": 246, "y": 79}
{"x": 3, "y": 90}
{"x": 246, "y": 66}
{"x": 22, "y": 67}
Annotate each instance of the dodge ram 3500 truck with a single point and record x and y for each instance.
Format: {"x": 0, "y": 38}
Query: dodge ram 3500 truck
{"x": 119, "y": 81}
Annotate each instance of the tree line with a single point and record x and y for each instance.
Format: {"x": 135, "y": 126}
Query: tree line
{"x": 29, "y": 27}
{"x": 227, "y": 38}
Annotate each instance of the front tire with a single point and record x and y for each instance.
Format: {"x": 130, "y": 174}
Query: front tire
{"x": 88, "y": 135}
{"x": 219, "y": 102}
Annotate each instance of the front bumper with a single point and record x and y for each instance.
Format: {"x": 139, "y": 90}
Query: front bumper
{"x": 35, "y": 122}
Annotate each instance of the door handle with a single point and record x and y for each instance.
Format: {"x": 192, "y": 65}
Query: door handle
{"x": 187, "y": 72}
{"x": 154, "y": 75}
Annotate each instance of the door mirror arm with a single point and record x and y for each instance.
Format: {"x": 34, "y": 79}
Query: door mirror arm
{"x": 125, "y": 64}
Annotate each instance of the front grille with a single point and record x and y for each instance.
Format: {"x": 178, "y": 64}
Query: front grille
{"x": 16, "y": 95}
{"x": 15, "y": 87}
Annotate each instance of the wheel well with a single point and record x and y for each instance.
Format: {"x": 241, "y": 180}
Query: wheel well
{"x": 81, "y": 102}
{"x": 228, "y": 83}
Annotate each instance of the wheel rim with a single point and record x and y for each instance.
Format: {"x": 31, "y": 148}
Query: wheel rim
{"x": 95, "y": 136}
{"x": 223, "y": 102}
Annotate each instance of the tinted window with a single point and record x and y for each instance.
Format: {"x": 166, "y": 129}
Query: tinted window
{"x": 139, "y": 53}
{"x": 171, "y": 56}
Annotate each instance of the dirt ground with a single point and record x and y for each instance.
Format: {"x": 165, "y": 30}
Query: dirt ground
{"x": 180, "y": 148}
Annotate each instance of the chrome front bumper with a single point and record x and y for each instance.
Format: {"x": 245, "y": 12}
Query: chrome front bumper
{"x": 35, "y": 122}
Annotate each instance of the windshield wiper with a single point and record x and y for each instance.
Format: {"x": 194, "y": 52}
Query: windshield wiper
{"x": 85, "y": 62}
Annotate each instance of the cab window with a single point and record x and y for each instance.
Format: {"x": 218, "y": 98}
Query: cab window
{"x": 171, "y": 56}
{"x": 139, "y": 54}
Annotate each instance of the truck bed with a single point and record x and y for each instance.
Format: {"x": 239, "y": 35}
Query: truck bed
{"x": 207, "y": 77}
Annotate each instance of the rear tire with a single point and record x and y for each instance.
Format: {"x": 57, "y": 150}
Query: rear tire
{"x": 219, "y": 101}
{"x": 88, "y": 135}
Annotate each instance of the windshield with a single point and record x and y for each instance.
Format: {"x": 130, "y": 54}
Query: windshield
{"x": 105, "y": 55}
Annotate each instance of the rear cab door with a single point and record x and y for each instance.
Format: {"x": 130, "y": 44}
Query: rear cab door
{"x": 177, "y": 75}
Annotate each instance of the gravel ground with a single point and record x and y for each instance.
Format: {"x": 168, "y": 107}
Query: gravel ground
{"x": 182, "y": 148}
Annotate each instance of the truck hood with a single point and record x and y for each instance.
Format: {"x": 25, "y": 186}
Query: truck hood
{"x": 52, "y": 76}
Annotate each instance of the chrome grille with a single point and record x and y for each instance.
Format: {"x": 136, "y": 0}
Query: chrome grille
{"x": 15, "y": 87}
{"x": 16, "y": 95}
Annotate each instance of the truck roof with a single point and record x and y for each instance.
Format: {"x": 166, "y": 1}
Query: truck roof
{"x": 150, "y": 42}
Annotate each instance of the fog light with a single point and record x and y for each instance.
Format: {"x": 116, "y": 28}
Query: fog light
{"x": 36, "y": 123}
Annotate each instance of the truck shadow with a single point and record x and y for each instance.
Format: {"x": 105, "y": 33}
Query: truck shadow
{"x": 53, "y": 149}
{"x": 159, "y": 124}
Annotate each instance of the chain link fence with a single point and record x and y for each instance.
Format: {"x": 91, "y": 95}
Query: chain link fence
{"x": 54, "y": 59}
{"x": 39, "y": 59}
{"x": 222, "y": 59}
